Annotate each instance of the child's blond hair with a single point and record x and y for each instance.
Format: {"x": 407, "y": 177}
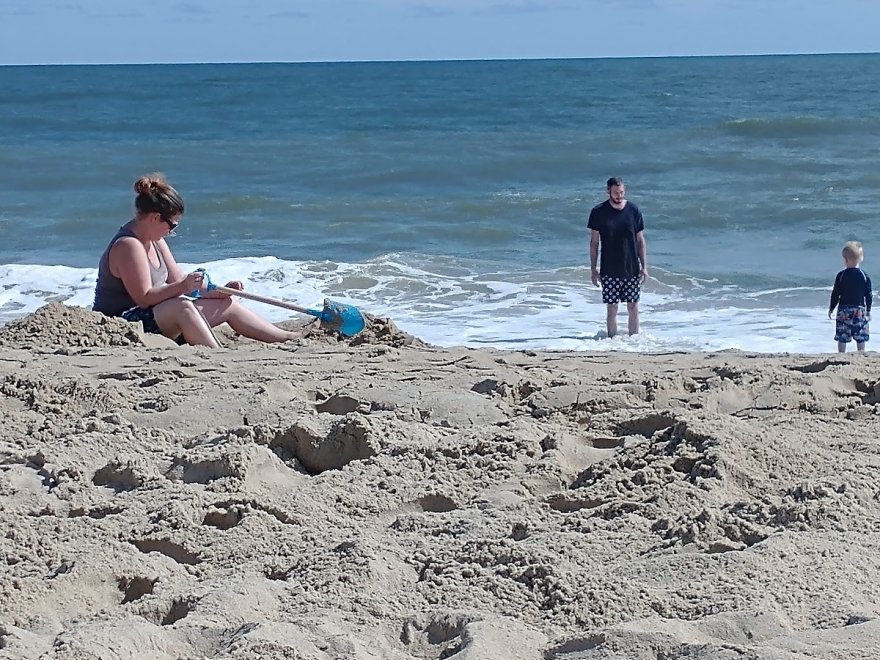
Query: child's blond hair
{"x": 852, "y": 251}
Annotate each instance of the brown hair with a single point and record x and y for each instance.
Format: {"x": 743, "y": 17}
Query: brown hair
{"x": 154, "y": 195}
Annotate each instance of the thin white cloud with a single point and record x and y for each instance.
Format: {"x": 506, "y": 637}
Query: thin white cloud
{"x": 191, "y": 8}
{"x": 523, "y": 7}
{"x": 291, "y": 13}
{"x": 65, "y": 11}
{"x": 428, "y": 11}
{"x": 73, "y": 8}
{"x": 16, "y": 8}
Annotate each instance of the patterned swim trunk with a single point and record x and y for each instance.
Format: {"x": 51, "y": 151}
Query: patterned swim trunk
{"x": 620, "y": 289}
{"x": 851, "y": 324}
{"x": 145, "y": 316}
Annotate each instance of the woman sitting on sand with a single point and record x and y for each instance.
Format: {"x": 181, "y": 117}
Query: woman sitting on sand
{"x": 139, "y": 280}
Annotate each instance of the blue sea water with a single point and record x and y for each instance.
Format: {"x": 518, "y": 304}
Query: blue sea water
{"x": 452, "y": 197}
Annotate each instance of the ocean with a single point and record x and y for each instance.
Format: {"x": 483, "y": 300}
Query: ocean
{"x": 452, "y": 197}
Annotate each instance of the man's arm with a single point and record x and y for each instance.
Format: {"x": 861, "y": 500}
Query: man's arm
{"x": 594, "y": 256}
{"x": 642, "y": 247}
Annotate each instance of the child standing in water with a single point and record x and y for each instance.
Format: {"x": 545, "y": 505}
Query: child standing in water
{"x": 852, "y": 297}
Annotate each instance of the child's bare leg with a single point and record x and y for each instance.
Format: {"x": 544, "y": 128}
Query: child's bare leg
{"x": 841, "y": 347}
{"x": 860, "y": 346}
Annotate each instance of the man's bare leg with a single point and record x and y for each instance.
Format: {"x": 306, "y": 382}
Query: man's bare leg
{"x": 632, "y": 309}
{"x": 611, "y": 320}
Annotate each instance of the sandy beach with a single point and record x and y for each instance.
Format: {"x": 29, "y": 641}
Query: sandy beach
{"x": 379, "y": 498}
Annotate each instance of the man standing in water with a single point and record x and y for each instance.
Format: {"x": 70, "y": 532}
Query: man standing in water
{"x": 617, "y": 226}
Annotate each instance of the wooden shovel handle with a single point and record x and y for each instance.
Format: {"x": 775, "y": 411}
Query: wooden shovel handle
{"x": 264, "y": 299}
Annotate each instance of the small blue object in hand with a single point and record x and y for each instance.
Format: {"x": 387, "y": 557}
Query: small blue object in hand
{"x": 208, "y": 284}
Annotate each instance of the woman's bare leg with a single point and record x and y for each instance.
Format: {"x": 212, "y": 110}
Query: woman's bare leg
{"x": 178, "y": 316}
{"x": 241, "y": 319}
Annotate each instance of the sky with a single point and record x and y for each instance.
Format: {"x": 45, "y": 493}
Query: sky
{"x": 123, "y": 31}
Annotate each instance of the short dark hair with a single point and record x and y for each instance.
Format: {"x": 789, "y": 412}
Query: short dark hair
{"x": 614, "y": 181}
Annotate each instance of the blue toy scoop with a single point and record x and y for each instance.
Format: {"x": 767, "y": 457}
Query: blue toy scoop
{"x": 345, "y": 319}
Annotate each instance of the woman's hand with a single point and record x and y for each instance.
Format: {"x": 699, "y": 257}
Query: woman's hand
{"x": 193, "y": 282}
{"x": 235, "y": 284}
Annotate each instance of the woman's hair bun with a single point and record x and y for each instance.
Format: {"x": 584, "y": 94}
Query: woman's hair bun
{"x": 155, "y": 195}
{"x": 149, "y": 183}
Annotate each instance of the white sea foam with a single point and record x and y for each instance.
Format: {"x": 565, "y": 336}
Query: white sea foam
{"x": 446, "y": 304}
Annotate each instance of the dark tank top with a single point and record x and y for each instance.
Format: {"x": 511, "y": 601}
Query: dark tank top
{"x": 111, "y": 298}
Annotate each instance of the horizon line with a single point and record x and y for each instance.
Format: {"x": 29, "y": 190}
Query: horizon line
{"x": 446, "y": 60}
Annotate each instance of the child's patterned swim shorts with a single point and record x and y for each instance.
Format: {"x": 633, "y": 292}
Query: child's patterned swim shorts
{"x": 852, "y": 324}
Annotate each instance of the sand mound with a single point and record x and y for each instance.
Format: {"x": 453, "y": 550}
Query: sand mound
{"x": 63, "y": 326}
{"x": 377, "y": 331}
{"x": 385, "y": 332}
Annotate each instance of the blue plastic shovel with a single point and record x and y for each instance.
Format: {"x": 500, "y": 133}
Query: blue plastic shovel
{"x": 345, "y": 319}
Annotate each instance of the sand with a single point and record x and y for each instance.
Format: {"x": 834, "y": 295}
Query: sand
{"x": 381, "y": 498}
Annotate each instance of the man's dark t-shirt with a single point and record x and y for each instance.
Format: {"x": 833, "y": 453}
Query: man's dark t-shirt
{"x": 619, "y": 255}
